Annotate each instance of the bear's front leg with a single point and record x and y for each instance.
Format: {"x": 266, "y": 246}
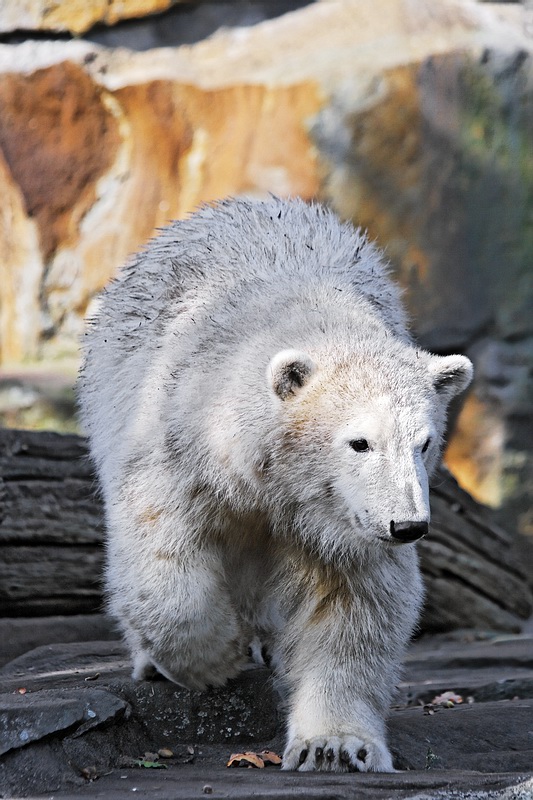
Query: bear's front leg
{"x": 342, "y": 647}
{"x": 177, "y": 615}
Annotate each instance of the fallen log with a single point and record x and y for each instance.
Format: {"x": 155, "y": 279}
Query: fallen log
{"x": 51, "y": 526}
{"x": 52, "y": 533}
{"x": 471, "y": 569}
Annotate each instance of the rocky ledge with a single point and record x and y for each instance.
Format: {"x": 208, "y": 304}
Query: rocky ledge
{"x": 73, "y": 723}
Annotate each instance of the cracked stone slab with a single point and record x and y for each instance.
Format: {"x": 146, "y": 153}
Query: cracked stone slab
{"x": 26, "y": 718}
{"x": 500, "y": 668}
{"x": 18, "y": 635}
{"x": 189, "y": 782}
{"x": 487, "y": 737}
{"x": 465, "y": 650}
{"x": 246, "y": 709}
{"x": 66, "y": 665}
{"x": 491, "y": 739}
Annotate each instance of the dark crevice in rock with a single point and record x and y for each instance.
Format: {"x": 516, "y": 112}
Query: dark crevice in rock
{"x": 184, "y": 24}
{"x": 21, "y": 36}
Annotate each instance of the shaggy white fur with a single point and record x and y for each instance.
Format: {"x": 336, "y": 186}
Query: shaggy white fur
{"x": 263, "y": 428}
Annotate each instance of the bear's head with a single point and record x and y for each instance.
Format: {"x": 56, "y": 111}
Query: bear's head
{"x": 357, "y": 436}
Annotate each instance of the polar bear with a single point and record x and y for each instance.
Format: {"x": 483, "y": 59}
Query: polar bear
{"x": 263, "y": 428}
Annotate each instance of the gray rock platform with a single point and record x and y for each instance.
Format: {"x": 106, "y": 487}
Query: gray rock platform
{"x": 73, "y": 723}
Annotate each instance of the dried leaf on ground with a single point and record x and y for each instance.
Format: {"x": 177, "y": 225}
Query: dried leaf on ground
{"x": 246, "y": 760}
{"x": 448, "y": 699}
{"x": 258, "y": 760}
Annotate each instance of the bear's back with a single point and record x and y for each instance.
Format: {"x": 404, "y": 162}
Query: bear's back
{"x": 229, "y": 269}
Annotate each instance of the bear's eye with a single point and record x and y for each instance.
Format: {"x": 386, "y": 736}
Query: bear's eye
{"x": 359, "y": 445}
{"x": 426, "y": 445}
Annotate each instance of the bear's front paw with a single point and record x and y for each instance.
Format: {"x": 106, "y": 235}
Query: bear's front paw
{"x": 344, "y": 753}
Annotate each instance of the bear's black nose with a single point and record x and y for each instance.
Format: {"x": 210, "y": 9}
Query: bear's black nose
{"x": 408, "y": 531}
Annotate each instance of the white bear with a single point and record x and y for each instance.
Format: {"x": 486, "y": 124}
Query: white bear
{"x": 264, "y": 428}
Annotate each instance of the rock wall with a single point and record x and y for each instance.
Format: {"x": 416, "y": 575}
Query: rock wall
{"x": 76, "y": 16}
{"x": 411, "y": 118}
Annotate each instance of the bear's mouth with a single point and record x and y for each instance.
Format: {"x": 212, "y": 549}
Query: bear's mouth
{"x": 390, "y": 540}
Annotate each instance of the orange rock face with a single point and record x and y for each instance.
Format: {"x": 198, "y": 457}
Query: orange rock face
{"x": 76, "y": 16}
{"x": 21, "y": 267}
{"x": 475, "y": 453}
{"x": 174, "y": 146}
{"x": 96, "y": 172}
{"x": 190, "y": 146}
{"x": 57, "y": 139}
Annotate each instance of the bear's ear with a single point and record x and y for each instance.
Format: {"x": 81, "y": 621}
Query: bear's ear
{"x": 288, "y": 371}
{"x": 450, "y": 374}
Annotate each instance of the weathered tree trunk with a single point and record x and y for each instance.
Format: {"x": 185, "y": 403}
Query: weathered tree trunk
{"x": 470, "y": 566}
{"x": 51, "y": 536}
{"x": 51, "y": 528}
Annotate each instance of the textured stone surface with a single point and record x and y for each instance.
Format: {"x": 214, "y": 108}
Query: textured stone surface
{"x": 244, "y": 711}
{"x": 26, "y": 718}
{"x": 71, "y": 663}
{"x": 485, "y": 737}
{"x": 498, "y": 668}
{"x": 18, "y": 635}
{"x": 178, "y": 145}
{"x": 188, "y": 784}
{"x": 190, "y": 22}
{"x": 482, "y": 746}
{"x": 58, "y": 139}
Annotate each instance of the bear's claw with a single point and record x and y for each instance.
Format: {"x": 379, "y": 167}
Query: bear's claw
{"x": 337, "y": 754}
